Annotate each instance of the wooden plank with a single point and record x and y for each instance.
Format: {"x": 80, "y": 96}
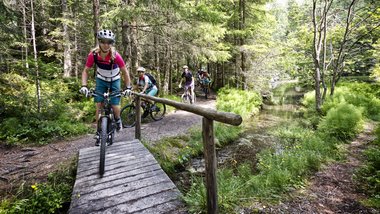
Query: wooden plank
{"x": 115, "y": 145}
{"x": 127, "y": 171}
{"x": 114, "y": 148}
{"x": 133, "y": 182}
{"x": 163, "y": 202}
{"x": 107, "y": 190}
{"x": 103, "y": 204}
{"x": 173, "y": 207}
{"x": 93, "y": 163}
{"x": 114, "y": 168}
{"x": 130, "y": 175}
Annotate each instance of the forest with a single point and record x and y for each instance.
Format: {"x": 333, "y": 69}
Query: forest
{"x": 328, "y": 48}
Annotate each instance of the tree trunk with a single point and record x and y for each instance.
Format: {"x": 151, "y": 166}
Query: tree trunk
{"x": 67, "y": 65}
{"x": 241, "y": 43}
{"x": 165, "y": 87}
{"x": 339, "y": 62}
{"x": 76, "y": 55}
{"x": 223, "y": 75}
{"x": 324, "y": 50}
{"x": 38, "y": 87}
{"x": 134, "y": 47}
{"x": 170, "y": 71}
{"x": 43, "y": 24}
{"x": 126, "y": 44}
{"x": 317, "y": 43}
{"x": 25, "y": 47}
{"x": 96, "y": 19}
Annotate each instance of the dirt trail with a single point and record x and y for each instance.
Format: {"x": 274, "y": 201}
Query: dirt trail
{"x": 32, "y": 164}
{"x": 331, "y": 190}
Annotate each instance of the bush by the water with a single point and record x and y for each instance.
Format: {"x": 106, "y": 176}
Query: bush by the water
{"x": 343, "y": 122}
{"x": 361, "y": 95}
{"x": 244, "y": 103}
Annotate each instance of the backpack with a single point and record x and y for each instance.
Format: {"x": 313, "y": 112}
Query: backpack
{"x": 95, "y": 54}
{"x": 152, "y": 79}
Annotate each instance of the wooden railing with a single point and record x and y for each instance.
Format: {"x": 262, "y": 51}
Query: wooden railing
{"x": 209, "y": 115}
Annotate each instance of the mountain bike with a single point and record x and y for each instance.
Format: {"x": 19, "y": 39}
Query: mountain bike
{"x": 186, "y": 96}
{"x": 156, "y": 111}
{"x": 106, "y": 124}
{"x": 205, "y": 86}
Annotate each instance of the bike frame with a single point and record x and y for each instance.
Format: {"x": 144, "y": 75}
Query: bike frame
{"x": 106, "y": 124}
{"x": 106, "y": 109}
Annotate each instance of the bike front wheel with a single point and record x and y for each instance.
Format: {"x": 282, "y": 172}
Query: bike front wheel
{"x": 103, "y": 144}
{"x": 158, "y": 111}
{"x": 128, "y": 116}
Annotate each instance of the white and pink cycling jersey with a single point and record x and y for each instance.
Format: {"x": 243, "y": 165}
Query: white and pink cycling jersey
{"x": 104, "y": 70}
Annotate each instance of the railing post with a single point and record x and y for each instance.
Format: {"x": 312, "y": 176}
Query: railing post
{"x": 138, "y": 118}
{"x": 210, "y": 162}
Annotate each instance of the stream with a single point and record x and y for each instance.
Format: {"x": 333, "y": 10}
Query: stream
{"x": 255, "y": 137}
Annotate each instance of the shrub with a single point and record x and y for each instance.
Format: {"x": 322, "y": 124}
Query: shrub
{"x": 342, "y": 122}
{"x": 62, "y": 110}
{"x": 244, "y": 103}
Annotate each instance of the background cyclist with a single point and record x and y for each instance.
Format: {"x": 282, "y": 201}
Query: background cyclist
{"x": 189, "y": 81}
{"x": 145, "y": 84}
{"x": 204, "y": 77}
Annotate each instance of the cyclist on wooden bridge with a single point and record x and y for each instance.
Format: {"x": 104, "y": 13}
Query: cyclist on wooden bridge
{"x": 110, "y": 68}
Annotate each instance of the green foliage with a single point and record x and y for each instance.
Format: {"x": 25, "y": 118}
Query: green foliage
{"x": 230, "y": 188}
{"x": 61, "y": 114}
{"x": 343, "y": 122}
{"x": 280, "y": 169}
{"x": 48, "y": 197}
{"x": 242, "y": 102}
{"x": 363, "y": 96}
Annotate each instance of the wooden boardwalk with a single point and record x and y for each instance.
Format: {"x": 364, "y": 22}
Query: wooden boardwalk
{"x": 133, "y": 182}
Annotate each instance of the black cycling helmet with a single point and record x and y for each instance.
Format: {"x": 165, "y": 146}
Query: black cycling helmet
{"x": 106, "y": 34}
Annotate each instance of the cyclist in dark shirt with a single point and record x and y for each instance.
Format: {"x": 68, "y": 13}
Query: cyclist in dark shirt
{"x": 189, "y": 81}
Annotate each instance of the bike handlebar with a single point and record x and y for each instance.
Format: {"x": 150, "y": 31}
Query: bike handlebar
{"x": 94, "y": 93}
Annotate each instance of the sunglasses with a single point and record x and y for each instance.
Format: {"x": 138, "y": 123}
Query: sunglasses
{"x": 104, "y": 41}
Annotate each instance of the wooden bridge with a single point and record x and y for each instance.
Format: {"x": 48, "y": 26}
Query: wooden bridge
{"x": 133, "y": 181}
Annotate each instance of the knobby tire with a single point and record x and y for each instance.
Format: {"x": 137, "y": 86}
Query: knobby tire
{"x": 103, "y": 144}
{"x": 159, "y": 113}
{"x": 128, "y": 116}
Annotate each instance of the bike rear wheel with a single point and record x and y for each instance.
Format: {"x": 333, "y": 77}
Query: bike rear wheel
{"x": 128, "y": 116}
{"x": 185, "y": 98}
{"x": 158, "y": 112}
{"x": 103, "y": 144}
{"x": 192, "y": 99}
{"x": 206, "y": 91}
